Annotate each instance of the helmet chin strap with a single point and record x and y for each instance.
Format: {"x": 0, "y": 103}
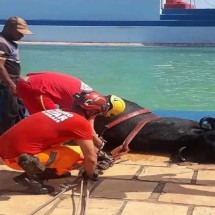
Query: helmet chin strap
{"x": 107, "y": 107}
{"x": 90, "y": 114}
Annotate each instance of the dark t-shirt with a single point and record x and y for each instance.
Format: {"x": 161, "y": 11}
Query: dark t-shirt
{"x": 10, "y": 51}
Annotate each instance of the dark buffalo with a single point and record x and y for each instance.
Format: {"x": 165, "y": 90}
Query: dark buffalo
{"x": 185, "y": 139}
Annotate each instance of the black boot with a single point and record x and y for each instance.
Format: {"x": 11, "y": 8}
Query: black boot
{"x": 30, "y": 164}
{"x": 33, "y": 183}
{"x": 20, "y": 177}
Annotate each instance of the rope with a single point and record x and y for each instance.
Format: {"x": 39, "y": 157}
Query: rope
{"x": 81, "y": 196}
{"x": 83, "y": 200}
{"x": 85, "y": 197}
{"x": 65, "y": 188}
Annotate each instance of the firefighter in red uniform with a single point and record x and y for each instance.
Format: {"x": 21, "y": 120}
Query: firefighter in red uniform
{"x": 45, "y": 90}
{"x": 36, "y": 145}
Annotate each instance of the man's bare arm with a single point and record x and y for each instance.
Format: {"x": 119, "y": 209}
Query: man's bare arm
{"x": 90, "y": 156}
{"x": 97, "y": 141}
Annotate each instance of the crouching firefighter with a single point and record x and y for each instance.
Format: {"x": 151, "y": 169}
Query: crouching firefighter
{"x": 36, "y": 145}
{"x": 92, "y": 104}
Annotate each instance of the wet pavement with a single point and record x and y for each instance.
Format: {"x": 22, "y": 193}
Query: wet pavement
{"x": 137, "y": 184}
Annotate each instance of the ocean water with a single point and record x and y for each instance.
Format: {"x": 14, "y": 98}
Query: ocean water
{"x": 166, "y": 78}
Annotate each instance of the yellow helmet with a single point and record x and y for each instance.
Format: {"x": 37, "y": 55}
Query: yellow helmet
{"x": 117, "y": 106}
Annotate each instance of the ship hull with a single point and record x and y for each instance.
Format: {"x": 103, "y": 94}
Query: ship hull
{"x": 122, "y": 21}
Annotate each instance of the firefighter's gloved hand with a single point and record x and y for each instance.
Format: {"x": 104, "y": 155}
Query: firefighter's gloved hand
{"x": 93, "y": 178}
{"x": 104, "y": 160}
{"x": 104, "y": 156}
{"x": 103, "y": 165}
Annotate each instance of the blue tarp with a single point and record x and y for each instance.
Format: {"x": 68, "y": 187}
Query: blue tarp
{"x": 194, "y": 115}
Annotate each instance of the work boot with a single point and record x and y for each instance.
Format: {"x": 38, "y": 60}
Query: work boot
{"x": 50, "y": 173}
{"x": 33, "y": 184}
{"x": 20, "y": 177}
{"x": 30, "y": 164}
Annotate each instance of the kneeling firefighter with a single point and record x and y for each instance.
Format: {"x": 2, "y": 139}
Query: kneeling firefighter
{"x": 36, "y": 145}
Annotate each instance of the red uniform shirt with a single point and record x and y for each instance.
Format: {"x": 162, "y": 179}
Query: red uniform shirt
{"x": 43, "y": 130}
{"x": 58, "y": 87}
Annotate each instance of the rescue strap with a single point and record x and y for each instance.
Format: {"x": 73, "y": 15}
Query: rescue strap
{"x": 51, "y": 159}
{"x": 124, "y": 148}
{"x": 123, "y": 118}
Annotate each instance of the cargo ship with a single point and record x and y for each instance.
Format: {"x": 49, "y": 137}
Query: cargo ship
{"x": 111, "y": 21}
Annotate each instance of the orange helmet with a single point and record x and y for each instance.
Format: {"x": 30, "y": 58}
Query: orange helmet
{"x": 92, "y": 102}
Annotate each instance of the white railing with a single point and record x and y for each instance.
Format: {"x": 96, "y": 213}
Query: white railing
{"x": 199, "y": 4}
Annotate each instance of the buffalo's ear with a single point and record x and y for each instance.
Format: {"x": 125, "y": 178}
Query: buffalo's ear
{"x": 207, "y": 123}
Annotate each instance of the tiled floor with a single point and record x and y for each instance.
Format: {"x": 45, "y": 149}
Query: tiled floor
{"x": 139, "y": 184}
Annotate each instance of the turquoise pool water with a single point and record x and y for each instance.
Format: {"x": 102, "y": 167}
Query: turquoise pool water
{"x": 167, "y": 78}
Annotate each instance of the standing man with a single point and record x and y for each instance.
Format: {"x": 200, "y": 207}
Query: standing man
{"x": 11, "y": 108}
